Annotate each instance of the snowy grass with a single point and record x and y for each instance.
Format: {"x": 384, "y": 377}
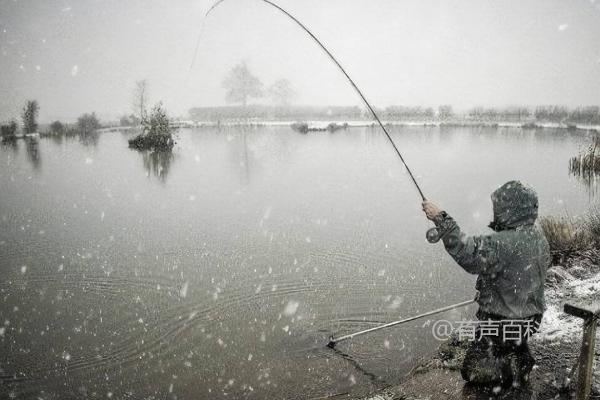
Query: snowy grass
{"x": 592, "y": 224}
{"x": 566, "y": 236}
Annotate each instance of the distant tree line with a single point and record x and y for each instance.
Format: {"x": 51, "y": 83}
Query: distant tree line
{"x": 499, "y": 114}
{"x": 85, "y": 128}
{"x": 558, "y": 114}
{"x": 402, "y": 113}
{"x": 86, "y": 124}
{"x": 292, "y": 112}
{"x": 241, "y": 85}
{"x": 268, "y": 112}
{"x": 552, "y": 113}
{"x": 29, "y": 116}
{"x": 584, "y": 115}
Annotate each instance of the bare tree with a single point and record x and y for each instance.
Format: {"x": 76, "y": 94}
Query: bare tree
{"x": 241, "y": 84}
{"x": 140, "y": 99}
{"x": 87, "y": 124}
{"x": 57, "y": 128}
{"x": 282, "y": 93}
{"x": 30, "y": 113}
{"x": 445, "y": 112}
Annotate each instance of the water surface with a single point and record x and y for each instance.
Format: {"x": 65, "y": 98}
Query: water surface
{"x": 222, "y": 269}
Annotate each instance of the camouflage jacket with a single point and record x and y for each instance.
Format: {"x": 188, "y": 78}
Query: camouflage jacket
{"x": 512, "y": 262}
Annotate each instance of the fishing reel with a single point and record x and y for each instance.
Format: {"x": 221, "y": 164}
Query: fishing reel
{"x": 433, "y": 235}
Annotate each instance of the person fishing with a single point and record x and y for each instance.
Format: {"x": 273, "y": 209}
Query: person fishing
{"x": 511, "y": 265}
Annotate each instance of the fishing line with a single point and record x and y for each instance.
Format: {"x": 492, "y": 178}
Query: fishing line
{"x": 375, "y": 116}
{"x": 202, "y": 24}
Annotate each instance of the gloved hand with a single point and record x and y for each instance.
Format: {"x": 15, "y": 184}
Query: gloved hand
{"x": 431, "y": 209}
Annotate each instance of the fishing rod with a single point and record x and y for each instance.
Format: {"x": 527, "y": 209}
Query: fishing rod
{"x": 333, "y": 341}
{"x": 345, "y": 74}
{"x": 432, "y": 235}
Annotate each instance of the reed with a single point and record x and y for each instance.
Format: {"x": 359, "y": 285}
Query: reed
{"x": 592, "y": 225}
{"x": 588, "y": 162}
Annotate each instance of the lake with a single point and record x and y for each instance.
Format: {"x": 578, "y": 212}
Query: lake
{"x": 220, "y": 271}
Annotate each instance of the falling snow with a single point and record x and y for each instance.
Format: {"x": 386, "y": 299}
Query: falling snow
{"x": 184, "y": 289}
{"x": 291, "y": 308}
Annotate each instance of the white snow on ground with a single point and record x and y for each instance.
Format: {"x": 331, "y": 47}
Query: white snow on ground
{"x": 557, "y": 325}
{"x": 571, "y": 327}
{"x": 587, "y": 287}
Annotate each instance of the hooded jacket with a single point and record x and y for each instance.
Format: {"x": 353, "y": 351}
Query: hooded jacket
{"x": 512, "y": 262}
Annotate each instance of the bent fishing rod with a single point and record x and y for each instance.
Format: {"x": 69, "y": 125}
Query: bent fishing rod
{"x": 432, "y": 235}
{"x": 335, "y": 61}
{"x": 333, "y": 341}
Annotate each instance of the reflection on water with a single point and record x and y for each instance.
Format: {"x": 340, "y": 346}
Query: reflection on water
{"x": 57, "y": 139}
{"x": 33, "y": 152}
{"x": 157, "y": 163}
{"x": 245, "y": 163}
{"x": 10, "y": 143}
{"x": 89, "y": 138}
{"x": 228, "y": 281}
{"x": 589, "y": 178}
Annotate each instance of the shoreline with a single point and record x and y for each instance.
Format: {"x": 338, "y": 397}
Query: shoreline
{"x": 555, "y": 347}
{"x": 322, "y": 124}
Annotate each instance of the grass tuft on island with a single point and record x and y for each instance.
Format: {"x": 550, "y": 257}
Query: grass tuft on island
{"x": 159, "y": 142}
{"x": 304, "y": 127}
{"x": 157, "y": 133}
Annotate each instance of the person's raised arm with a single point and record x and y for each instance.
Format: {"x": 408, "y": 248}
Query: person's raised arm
{"x": 475, "y": 254}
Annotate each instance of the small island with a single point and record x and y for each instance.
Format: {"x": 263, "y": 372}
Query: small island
{"x": 157, "y": 133}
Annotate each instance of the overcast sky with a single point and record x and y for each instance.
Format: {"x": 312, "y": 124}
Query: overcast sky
{"x": 85, "y": 55}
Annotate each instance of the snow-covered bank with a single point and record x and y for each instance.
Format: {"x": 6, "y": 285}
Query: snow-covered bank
{"x": 367, "y": 123}
{"x": 557, "y": 325}
{"x": 577, "y": 283}
{"x": 321, "y": 125}
{"x": 555, "y": 347}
